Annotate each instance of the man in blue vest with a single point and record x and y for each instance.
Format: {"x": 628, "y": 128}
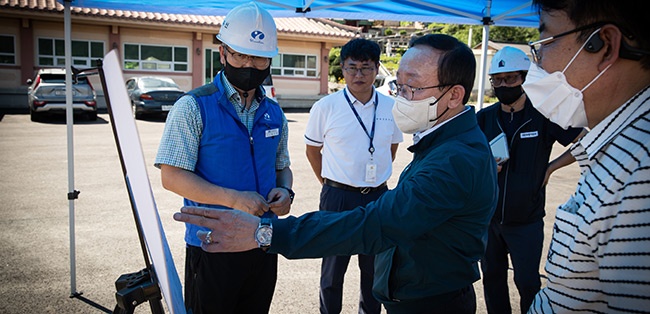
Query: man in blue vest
{"x": 225, "y": 146}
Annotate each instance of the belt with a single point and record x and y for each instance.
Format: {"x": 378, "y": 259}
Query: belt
{"x": 362, "y": 190}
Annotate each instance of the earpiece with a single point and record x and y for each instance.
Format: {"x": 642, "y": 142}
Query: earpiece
{"x": 628, "y": 52}
{"x": 594, "y": 44}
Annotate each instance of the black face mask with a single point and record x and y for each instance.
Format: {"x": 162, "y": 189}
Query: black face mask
{"x": 246, "y": 78}
{"x": 508, "y": 95}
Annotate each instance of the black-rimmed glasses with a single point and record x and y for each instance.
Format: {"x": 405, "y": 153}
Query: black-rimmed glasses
{"x": 536, "y": 46}
{"x": 364, "y": 70}
{"x": 408, "y": 91}
{"x": 240, "y": 59}
{"x": 508, "y": 80}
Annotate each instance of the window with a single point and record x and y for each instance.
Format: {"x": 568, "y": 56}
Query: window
{"x": 294, "y": 65}
{"x": 7, "y": 49}
{"x": 51, "y": 52}
{"x": 212, "y": 64}
{"x": 155, "y": 58}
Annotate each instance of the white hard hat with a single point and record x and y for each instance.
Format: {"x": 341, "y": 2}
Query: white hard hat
{"x": 249, "y": 29}
{"x": 509, "y": 59}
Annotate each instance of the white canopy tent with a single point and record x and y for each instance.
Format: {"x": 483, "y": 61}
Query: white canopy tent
{"x": 470, "y": 12}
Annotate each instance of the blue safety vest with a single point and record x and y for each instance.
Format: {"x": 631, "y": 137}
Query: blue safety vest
{"x": 230, "y": 156}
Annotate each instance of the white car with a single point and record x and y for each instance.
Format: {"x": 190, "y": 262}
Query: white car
{"x": 384, "y": 81}
{"x": 385, "y": 84}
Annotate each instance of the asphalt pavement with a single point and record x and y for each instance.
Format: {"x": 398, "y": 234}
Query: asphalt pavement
{"x": 35, "y": 259}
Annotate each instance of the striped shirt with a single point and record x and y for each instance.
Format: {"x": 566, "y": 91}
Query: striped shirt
{"x": 179, "y": 146}
{"x": 599, "y": 257}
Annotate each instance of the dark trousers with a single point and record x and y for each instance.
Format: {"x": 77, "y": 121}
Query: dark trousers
{"x": 333, "y": 268}
{"x": 229, "y": 282}
{"x": 462, "y": 301}
{"x": 524, "y": 245}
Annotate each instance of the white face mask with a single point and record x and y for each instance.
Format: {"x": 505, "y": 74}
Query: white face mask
{"x": 412, "y": 116}
{"x": 554, "y": 97}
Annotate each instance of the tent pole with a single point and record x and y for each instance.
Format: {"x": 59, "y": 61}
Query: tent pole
{"x": 481, "y": 80}
{"x": 69, "y": 119}
{"x": 487, "y": 20}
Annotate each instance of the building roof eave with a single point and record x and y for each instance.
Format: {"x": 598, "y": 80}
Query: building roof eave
{"x": 52, "y": 10}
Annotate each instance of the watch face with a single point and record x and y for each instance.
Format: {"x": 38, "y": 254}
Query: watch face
{"x": 263, "y": 235}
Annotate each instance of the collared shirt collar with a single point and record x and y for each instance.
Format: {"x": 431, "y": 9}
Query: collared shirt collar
{"x": 617, "y": 121}
{"x": 418, "y": 136}
{"x": 234, "y": 97}
{"x": 354, "y": 100}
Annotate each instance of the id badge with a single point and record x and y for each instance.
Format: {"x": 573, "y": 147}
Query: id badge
{"x": 272, "y": 132}
{"x": 371, "y": 172}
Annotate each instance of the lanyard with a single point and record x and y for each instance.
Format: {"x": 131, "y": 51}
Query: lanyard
{"x": 370, "y": 135}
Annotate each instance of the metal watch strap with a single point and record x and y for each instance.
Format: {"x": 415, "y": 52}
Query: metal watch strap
{"x": 264, "y": 229}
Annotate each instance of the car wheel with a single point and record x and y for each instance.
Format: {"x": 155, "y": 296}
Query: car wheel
{"x": 34, "y": 116}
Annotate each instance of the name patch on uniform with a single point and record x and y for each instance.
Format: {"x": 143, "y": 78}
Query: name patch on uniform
{"x": 529, "y": 134}
{"x": 272, "y": 132}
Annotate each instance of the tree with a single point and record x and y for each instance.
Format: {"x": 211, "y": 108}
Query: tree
{"x": 461, "y": 32}
{"x": 334, "y": 59}
{"x": 497, "y": 33}
{"x": 513, "y": 34}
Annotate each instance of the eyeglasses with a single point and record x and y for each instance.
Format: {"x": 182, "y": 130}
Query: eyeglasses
{"x": 240, "y": 59}
{"x": 408, "y": 91}
{"x": 536, "y": 46}
{"x": 364, "y": 71}
{"x": 508, "y": 79}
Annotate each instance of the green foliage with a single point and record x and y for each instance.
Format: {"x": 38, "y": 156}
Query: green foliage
{"x": 400, "y": 51}
{"x": 391, "y": 63}
{"x": 402, "y": 32}
{"x": 335, "y": 70}
{"x": 513, "y": 34}
{"x": 461, "y": 32}
{"x": 497, "y": 33}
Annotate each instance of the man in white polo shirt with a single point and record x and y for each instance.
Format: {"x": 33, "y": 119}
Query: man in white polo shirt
{"x": 351, "y": 142}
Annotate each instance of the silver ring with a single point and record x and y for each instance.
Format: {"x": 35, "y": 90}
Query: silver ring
{"x": 208, "y": 237}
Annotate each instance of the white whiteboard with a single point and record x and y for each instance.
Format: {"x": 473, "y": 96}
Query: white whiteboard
{"x": 139, "y": 186}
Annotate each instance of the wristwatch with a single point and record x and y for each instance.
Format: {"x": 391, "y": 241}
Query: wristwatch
{"x": 264, "y": 233}
{"x": 292, "y": 194}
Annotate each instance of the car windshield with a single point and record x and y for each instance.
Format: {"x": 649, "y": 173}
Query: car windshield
{"x": 154, "y": 83}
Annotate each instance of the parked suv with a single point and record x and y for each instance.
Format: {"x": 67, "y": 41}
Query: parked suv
{"x": 46, "y": 94}
{"x": 269, "y": 90}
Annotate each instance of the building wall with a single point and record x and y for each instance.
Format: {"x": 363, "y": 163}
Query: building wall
{"x": 477, "y": 56}
{"x": 47, "y": 29}
{"x": 298, "y": 85}
{"x": 169, "y": 38}
{"x": 13, "y": 87}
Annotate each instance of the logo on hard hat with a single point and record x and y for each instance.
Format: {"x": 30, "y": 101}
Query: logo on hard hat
{"x": 502, "y": 63}
{"x": 257, "y": 36}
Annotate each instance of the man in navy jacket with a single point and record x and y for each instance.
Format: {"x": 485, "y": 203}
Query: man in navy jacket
{"x": 429, "y": 232}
